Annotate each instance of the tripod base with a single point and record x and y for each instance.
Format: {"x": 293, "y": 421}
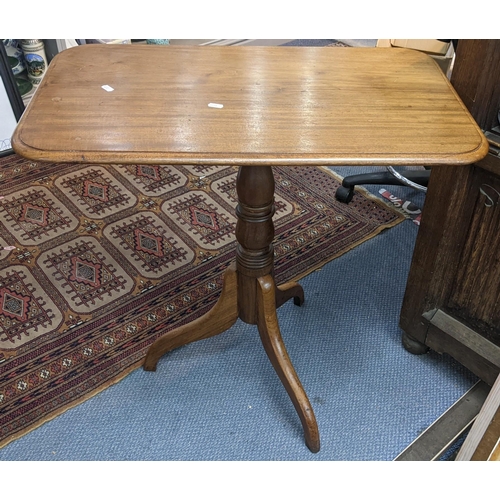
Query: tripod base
{"x": 225, "y": 313}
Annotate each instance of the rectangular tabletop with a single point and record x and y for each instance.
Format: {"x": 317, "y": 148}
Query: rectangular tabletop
{"x": 273, "y": 106}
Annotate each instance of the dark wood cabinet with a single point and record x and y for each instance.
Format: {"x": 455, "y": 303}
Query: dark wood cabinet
{"x": 452, "y": 298}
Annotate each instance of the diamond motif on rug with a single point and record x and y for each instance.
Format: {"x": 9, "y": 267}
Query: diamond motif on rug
{"x": 86, "y": 273}
{"x": 149, "y": 244}
{"x": 200, "y": 217}
{"x": 204, "y": 219}
{"x": 26, "y": 312}
{"x": 95, "y": 192}
{"x": 32, "y": 213}
{"x": 35, "y": 215}
{"x": 150, "y": 171}
{"x": 13, "y": 304}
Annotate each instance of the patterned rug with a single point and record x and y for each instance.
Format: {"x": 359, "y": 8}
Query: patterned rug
{"x": 98, "y": 261}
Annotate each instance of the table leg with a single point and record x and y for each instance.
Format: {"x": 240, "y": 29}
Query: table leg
{"x": 274, "y": 346}
{"x": 219, "y": 319}
{"x": 289, "y": 291}
{"x": 249, "y": 293}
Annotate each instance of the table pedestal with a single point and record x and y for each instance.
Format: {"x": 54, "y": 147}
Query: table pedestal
{"x": 250, "y": 294}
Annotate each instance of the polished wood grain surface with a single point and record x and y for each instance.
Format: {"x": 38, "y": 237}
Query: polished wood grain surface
{"x": 281, "y": 106}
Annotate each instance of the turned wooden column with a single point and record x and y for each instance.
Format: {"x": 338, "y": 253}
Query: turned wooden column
{"x": 255, "y": 234}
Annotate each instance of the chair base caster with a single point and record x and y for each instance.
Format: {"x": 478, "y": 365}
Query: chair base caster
{"x": 344, "y": 195}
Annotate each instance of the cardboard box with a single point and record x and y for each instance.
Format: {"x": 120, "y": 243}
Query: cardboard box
{"x": 441, "y": 52}
{"x": 383, "y": 42}
{"x": 430, "y": 46}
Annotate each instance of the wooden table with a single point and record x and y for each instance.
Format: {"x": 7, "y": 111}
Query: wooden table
{"x": 254, "y": 107}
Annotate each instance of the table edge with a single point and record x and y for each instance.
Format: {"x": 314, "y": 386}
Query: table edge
{"x": 147, "y": 157}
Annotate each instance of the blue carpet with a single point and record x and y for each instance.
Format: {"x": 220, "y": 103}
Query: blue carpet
{"x": 220, "y": 400}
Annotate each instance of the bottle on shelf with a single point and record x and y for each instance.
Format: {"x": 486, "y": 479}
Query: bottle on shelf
{"x": 36, "y": 59}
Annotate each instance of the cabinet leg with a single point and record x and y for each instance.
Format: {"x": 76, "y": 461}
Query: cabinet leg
{"x": 412, "y": 345}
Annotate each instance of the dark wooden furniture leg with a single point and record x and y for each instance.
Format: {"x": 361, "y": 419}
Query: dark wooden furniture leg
{"x": 249, "y": 293}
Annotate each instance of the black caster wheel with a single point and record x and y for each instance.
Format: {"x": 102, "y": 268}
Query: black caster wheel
{"x": 344, "y": 195}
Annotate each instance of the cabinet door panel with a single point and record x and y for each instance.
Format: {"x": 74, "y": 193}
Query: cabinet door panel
{"x": 475, "y": 294}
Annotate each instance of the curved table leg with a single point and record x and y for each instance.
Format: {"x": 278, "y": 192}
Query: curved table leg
{"x": 270, "y": 335}
{"x": 221, "y": 317}
{"x": 291, "y": 290}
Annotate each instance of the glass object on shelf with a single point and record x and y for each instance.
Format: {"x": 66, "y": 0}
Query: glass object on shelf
{"x": 14, "y": 55}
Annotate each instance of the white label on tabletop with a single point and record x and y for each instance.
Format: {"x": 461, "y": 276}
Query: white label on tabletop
{"x": 215, "y": 105}
{"x": 107, "y": 88}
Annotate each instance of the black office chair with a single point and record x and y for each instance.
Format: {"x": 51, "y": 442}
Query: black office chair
{"x": 416, "y": 179}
